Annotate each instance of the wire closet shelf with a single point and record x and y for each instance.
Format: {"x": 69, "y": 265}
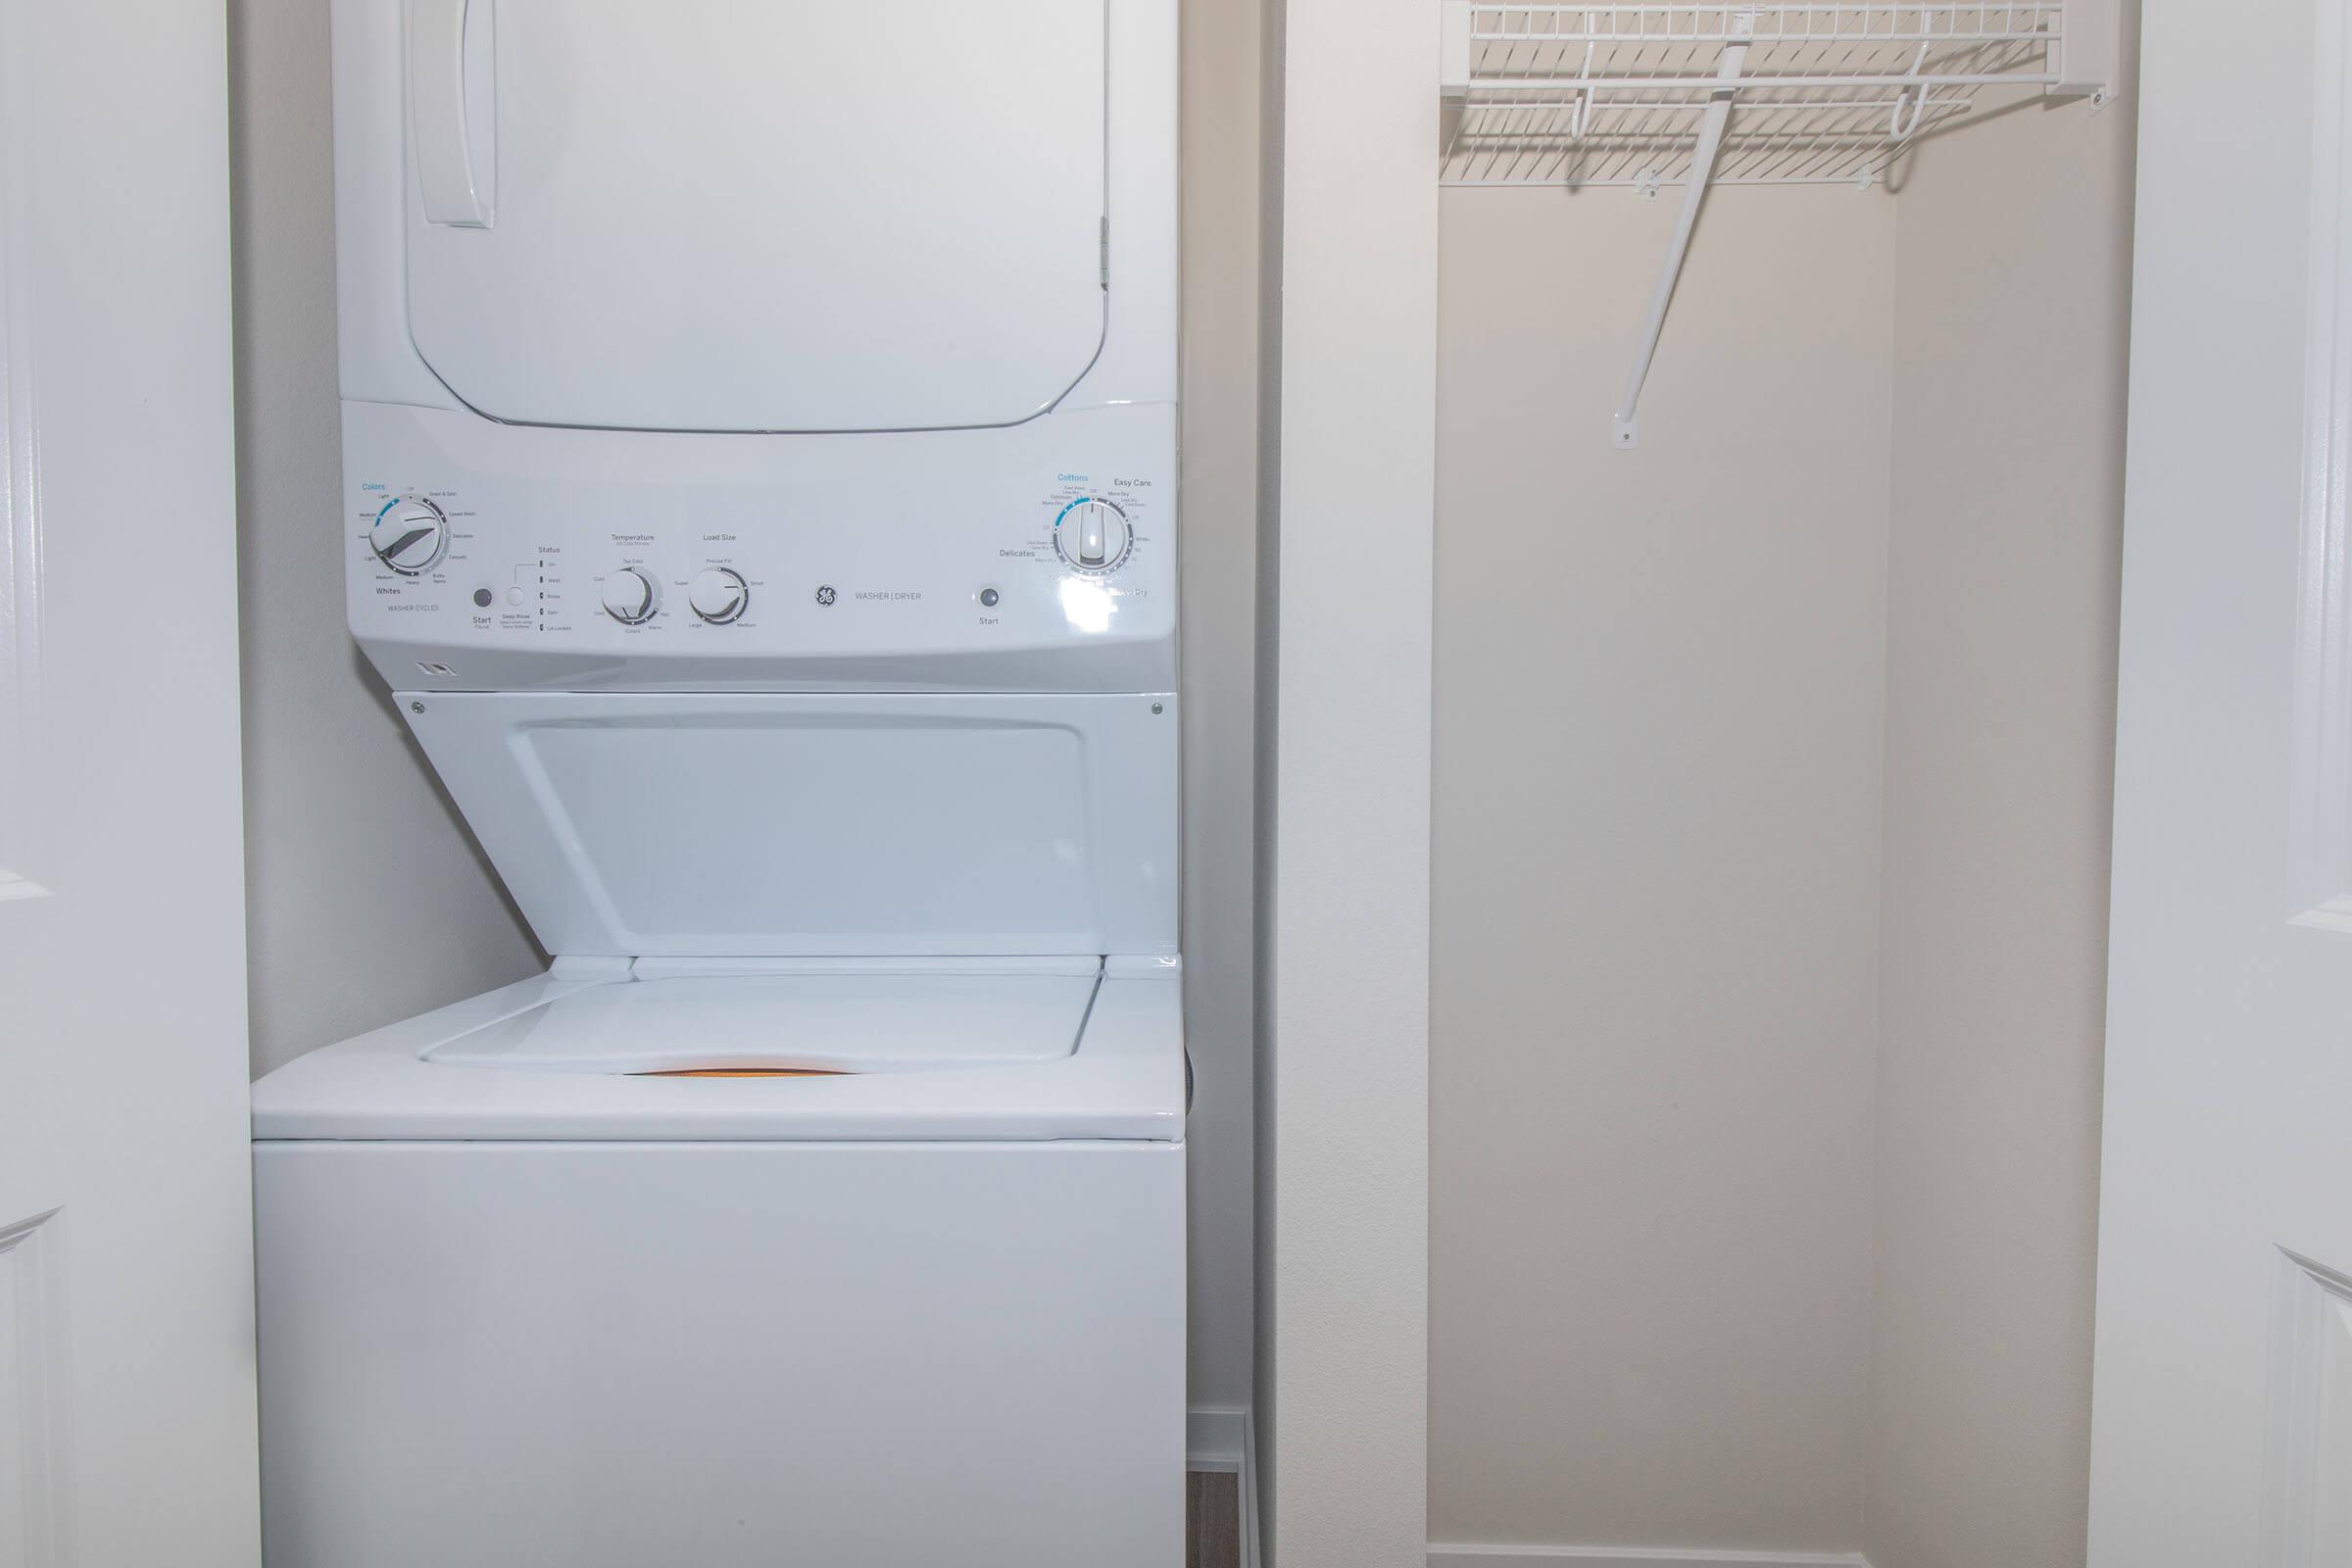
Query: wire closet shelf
{"x": 1818, "y": 94}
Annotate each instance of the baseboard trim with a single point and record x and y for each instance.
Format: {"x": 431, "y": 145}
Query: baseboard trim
{"x": 1213, "y": 1439}
{"x": 1476, "y": 1556}
{"x": 1251, "y": 1537}
{"x": 1222, "y": 1442}
{"x": 1221, "y": 1439}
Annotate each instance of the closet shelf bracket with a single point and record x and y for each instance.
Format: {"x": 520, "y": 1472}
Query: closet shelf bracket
{"x": 1628, "y": 428}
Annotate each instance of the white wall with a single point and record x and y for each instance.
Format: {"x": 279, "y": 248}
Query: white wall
{"x": 1344, "y": 1274}
{"x": 1657, "y": 872}
{"x": 2014, "y": 265}
{"x": 367, "y": 899}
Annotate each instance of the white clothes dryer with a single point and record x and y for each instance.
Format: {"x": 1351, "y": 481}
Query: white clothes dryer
{"x": 760, "y": 468}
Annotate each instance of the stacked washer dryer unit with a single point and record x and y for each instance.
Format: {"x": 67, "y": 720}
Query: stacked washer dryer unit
{"x": 759, "y": 492}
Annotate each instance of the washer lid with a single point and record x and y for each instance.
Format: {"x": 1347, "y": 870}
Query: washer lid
{"x": 708, "y": 214}
{"x": 786, "y": 1021}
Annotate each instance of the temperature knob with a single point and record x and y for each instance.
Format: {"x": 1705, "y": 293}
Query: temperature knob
{"x": 719, "y": 595}
{"x": 630, "y": 596}
{"x": 410, "y": 535}
{"x": 1092, "y": 534}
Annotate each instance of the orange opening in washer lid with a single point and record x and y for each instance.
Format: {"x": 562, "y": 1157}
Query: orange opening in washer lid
{"x": 745, "y": 1072}
{"x": 849, "y": 1022}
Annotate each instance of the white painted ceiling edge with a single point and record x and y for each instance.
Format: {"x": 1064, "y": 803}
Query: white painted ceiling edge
{"x": 1344, "y": 1290}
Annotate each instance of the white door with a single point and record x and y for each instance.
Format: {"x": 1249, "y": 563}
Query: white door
{"x": 2222, "y": 1428}
{"x": 127, "y": 1408}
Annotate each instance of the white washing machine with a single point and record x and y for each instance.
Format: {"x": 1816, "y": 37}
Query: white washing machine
{"x": 759, "y": 466}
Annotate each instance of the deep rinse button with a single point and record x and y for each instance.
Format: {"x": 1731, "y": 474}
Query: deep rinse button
{"x": 719, "y": 595}
{"x": 631, "y": 596}
{"x": 1092, "y": 534}
{"x": 410, "y": 535}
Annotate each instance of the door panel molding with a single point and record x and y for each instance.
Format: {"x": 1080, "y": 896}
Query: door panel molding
{"x": 2308, "y": 1512}
{"x": 34, "y": 1453}
{"x": 23, "y": 840}
{"x": 2322, "y": 850}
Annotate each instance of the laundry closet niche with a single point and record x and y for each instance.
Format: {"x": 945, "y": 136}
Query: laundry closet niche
{"x": 1772, "y": 756}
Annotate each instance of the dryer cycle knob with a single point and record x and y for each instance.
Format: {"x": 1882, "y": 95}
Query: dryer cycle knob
{"x": 410, "y": 535}
{"x": 719, "y": 595}
{"x": 1092, "y": 534}
{"x": 630, "y": 596}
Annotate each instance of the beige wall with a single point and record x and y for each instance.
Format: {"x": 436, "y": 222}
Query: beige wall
{"x": 1273, "y": 70}
{"x": 1221, "y": 151}
{"x": 367, "y": 899}
{"x": 1657, "y": 872}
{"x": 2013, "y": 263}
{"x": 1766, "y": 1045}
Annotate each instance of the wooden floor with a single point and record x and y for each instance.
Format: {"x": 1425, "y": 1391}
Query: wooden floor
{"x": 1212, "y": 1520}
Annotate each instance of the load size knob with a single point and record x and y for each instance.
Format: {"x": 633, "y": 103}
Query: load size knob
{"x": 630, "y": 596}
{"x": 410, "y": 535}
{"x": 719, "y": 595}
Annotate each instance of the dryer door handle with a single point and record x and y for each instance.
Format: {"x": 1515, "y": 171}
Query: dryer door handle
{"x": 452, "y": 87}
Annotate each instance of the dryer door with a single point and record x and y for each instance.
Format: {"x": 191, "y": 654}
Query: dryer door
{"x": 797, "y": 214}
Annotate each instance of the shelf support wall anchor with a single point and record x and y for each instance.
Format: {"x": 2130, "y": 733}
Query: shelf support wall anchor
{"x": 2088, "y": 56}
{"x": 1695, "y": 197}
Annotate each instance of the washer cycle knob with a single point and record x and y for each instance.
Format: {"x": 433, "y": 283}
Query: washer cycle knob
{"x": 630, "y": 596}
{"x": 719, "y": 595}
{"x": 1092, "y": 534}
{"x": 410, "y": 535}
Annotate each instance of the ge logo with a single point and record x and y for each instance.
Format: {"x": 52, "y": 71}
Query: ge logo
{"x": 825, "y": 595}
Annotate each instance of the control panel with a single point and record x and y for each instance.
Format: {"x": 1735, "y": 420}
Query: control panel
{"x": 1038, "y": 557}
